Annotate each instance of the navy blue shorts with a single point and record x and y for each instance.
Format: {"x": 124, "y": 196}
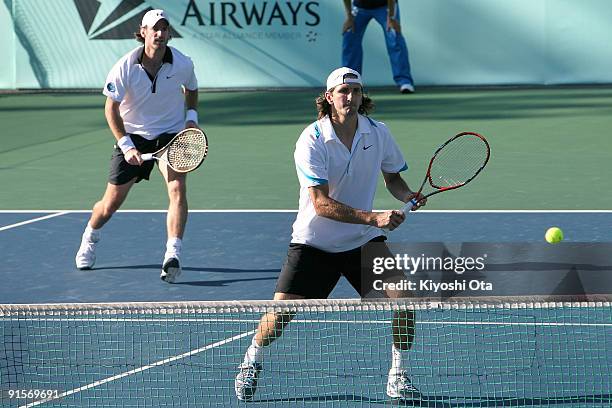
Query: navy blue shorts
{"x": 314, "y": 273}
{"x": 121, "y": 172}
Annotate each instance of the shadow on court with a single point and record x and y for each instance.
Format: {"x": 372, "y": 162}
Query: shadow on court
{"x": 187, "y": 268}
{"x": 207, "y": 282}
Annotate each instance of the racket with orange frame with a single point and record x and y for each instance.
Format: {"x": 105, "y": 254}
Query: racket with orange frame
{"x": 453, "y": 165}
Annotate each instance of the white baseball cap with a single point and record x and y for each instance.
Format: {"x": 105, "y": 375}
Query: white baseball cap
{"x": 338, "y": 77}
{"x": 151, "y": 18}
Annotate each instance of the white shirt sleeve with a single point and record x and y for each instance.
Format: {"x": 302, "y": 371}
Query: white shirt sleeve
{"x": 393, "y": 159}
{"x": 116, "y": 82}
{"x": 192, "y": 82}
{"x": 311, "y": 158}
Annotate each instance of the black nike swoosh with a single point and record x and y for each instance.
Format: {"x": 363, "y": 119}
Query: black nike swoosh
{"x": 367, "y": 147}
{"x": 168, "y": 77}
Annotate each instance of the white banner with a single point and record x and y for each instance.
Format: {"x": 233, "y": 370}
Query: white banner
{"x": 296, "y": 43}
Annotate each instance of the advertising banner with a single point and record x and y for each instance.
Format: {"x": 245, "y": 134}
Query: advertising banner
{"x": 296, "y": 43}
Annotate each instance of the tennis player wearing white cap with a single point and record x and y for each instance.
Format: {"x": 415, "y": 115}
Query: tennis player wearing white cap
{"x": 338, "y": 160}
{"x": 152, "y": 94}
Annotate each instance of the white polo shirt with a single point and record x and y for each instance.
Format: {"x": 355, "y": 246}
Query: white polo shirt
{"x": 151, "y": 107}
{"x": 321, "y": 158}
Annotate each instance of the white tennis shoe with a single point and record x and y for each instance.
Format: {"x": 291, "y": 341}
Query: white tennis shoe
{"x": 399, "y": 386}
{"x": 407, "y": 88}
{"x": 246, "y": 381}
{"x": 86, "y": 255}
{"x": 171, "y": 269}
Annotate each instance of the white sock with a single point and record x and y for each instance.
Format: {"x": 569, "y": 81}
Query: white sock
{"x": 91, "y": 234}
{"x": 399, "y": 359}
{"x": 254, "y": 353}
{"x": 173, "y": 248}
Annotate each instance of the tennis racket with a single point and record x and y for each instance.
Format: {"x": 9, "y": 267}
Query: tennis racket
{"x": 184, "y": 153}
{"x": 456, "y": 162}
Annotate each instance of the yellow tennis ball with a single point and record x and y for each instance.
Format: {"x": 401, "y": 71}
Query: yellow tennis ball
{"x": 554, "y": 235}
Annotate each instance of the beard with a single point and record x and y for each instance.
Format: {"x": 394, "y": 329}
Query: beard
{"x": 351, "y": 110}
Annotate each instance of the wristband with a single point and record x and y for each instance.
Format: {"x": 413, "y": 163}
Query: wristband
{"x": 125, "y": 144}
{"x": 192, "y": 115}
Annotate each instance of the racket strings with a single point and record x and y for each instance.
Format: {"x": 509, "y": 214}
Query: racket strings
{"x": 459, "y": 161}
{"x": 187, "y": 151}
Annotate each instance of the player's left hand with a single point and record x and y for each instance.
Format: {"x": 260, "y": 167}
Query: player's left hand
{"x": 421, "y": 200}
{"x": 191, "y": 124}
{"x": 394, "y": 24}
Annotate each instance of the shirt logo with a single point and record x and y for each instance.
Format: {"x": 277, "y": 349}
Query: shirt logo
{"x": 111, "y": 87}
{"x": 367, "y": 147}
{"x": 317, "y": 131}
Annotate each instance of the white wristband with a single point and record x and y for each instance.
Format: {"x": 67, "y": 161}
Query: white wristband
{"x": 125, "y": 144}
{"x": 192, "y": 115}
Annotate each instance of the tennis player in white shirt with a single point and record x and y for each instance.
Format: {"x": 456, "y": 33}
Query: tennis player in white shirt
{"x": 338, "y": 161}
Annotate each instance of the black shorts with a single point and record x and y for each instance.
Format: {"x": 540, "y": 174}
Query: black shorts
{"x": 121, "y": 172}
{"x": 313, "y": 273}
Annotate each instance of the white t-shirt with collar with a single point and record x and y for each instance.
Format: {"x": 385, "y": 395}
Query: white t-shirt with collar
{"x": 321, "y": 158}
{"x": 150, "y": 108}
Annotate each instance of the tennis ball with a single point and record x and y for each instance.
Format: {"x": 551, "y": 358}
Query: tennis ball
{"x": 554, "y": 235}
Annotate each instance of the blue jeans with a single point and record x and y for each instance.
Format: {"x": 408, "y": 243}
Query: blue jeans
{"x": 352, "y": 50}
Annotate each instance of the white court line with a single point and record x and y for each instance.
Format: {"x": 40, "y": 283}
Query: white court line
{"x": 19, "y": 224}
{"x": 140, "y": 369}
{"x": 357, "y": 322}
{"x": 246, "y": 210}
{"x": 150, "y": 211}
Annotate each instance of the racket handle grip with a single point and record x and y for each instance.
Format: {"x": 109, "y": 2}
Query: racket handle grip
{"x": 146, "y": 156}
{"x": 409, "y": 206}
{"x": 405, "y": 209}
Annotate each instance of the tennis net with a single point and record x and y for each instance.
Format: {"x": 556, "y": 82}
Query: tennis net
{"x": 476, "y": 353}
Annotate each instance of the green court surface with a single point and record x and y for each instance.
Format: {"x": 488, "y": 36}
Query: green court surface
{"x": 550, "y": 148}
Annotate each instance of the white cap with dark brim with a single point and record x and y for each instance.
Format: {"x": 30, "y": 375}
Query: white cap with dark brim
{"x": 339, "y": 77}
{"x": 151, "y": 18}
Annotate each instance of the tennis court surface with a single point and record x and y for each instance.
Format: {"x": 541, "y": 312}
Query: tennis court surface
{"x": 118, "y": 336}
{"x": 180, "y": 345}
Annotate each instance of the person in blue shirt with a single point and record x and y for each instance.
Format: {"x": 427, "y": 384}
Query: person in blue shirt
{"x": 386, "y": 13}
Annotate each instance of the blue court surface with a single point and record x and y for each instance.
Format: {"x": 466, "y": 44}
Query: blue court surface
{"x": 227, "y": 255}
{"x": 461, "y": 358}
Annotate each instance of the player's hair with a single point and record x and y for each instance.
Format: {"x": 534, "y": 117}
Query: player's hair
{"x": 324, "y": 108}
{"x": 140, "y": 38}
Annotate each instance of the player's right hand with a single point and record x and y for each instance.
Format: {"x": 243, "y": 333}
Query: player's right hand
{"x": 390, "y": 220}
{"x": 348, "y": 25}
{"x": 191, "y": 125}
{"x": 132, "y": 156}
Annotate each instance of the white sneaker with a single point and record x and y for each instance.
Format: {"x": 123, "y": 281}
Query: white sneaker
{"x": 246, "y": 381}
{"x": 86, "y": 255}
{"x": 407, "y": 88}
{"x": 171, "y": 269}
{"x": 399, "y": 386}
